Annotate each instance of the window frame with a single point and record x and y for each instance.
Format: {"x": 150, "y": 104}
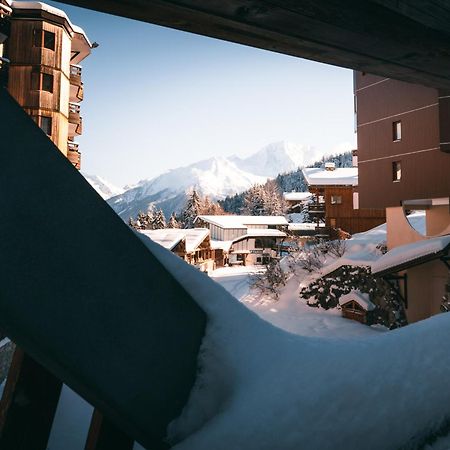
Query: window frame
{"x": 43, "y": 75}
{"x": 336, "y": 199}
{"x": 397, "y": 131}
{"x": 50, "y": 124}
{"x": 396, "y": 171}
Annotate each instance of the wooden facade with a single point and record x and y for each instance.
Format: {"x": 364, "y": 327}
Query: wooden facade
{"x": 42, "y": 47}
{"x": 339, "y": 212}
{"x": 422, "y": 149}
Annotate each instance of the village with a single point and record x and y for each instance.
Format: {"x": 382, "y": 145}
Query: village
{"x": 362, "y": 253}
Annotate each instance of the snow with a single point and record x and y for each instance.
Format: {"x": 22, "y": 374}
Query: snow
{"x": 170, "y": 237}
{"x": 229, "y": 221}
{"x": 345, "y": 176}
{"x": 167, "y": 237}
{"x": 305, "y": 226}
{"x": 223, "y": 245}
{"x": 296, "y": 196}
{"x": 410, "y": 252}
{"x": 358, "y": 297}
{"x": 102, "y": 186}
{"x": 266, "y": 232}
{"x": 261, "y": 387}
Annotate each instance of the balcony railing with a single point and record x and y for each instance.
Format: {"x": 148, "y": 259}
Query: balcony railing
{"x": 74, "y": 108}
{"x": 75, "y": 70}
{"x": 73, "y": 155}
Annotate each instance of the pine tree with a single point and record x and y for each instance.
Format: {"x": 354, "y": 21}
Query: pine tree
{"x": 173, "y": 222}
{"x": 192, "y": 209}
{"x": 254, "y": 201}
{"x": 158, "y": 220}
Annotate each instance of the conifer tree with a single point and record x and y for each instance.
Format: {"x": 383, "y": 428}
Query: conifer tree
{"x": 192, "y": 209}
{"x": 158, "y": 220}
{"x": 173, "y": 222}
{"x": 254, "y": 201}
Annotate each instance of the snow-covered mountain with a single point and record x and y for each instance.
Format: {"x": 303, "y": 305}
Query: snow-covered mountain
{"x": 103, "y": 187}
{"x": 215, "y": 177}
{"x": 278, "y": 157}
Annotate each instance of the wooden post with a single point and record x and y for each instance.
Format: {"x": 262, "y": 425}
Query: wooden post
{"x": 28, "y": 405}
{"x": 104, "y": 435}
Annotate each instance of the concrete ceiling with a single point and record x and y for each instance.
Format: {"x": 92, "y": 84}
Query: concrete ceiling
{"x": 403, "y": 39}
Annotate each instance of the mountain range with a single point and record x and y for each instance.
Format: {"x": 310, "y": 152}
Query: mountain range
{"x": 215, "y": 177}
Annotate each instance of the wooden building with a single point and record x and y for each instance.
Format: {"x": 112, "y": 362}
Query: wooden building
{"x": 246, "y": 240}
{"x": 296, "y": 202}
{"x": 44, "y": 50}
{"x": 357, "y": 306}
{"x": 337, "y": 201}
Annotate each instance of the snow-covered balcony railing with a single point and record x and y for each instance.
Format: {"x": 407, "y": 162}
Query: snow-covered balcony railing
{"x": 75, "y": 120}
{"x": 76, "y": 85}
{"x": 73, "y": 154}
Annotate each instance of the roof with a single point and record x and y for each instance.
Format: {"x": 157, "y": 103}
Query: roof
{"x": 194, "y": 237}
{"x": 52, "y": 10}
{"x": 296, "y": 196}
{"x": 255, "y": 233}
{"x": 343, "y": 176}
{"x": 168, "y": 237}
{"x": 409, "y": 255}
{"x": 243, "y": 222}
{"x": 358, "y": 297}
{"x": 221, "y": 245}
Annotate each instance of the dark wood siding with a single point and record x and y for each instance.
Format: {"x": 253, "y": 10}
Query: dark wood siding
{"x": 424, "y": 123}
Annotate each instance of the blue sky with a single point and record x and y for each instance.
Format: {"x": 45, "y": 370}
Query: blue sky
{"x": 157, "y": 98}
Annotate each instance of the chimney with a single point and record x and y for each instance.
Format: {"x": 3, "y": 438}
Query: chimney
{"x": 330, "y": 166}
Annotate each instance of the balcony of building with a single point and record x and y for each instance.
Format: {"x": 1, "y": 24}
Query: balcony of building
{"x": 76, "y": 85}
{"x": 75, "y": 120}
{"x": 73, "y": 154}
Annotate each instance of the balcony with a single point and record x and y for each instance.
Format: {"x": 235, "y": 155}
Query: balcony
{"x": 76, "y": 85}
{"x": 73, "y": 155}
{"x": 317, "y": 210}
{"x": 75, "y": 120}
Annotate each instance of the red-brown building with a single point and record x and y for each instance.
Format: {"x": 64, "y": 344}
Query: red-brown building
{"x": 404, "y": 164}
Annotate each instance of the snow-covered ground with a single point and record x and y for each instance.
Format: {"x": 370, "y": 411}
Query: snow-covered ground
{"x": 288, "y": 313}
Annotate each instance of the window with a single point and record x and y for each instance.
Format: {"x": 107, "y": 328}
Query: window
{"x": 396, "y": 171}
{"x": 46, "y": 125}
{"x": 49, "y": 40}
{"x": 47, "y": 82}
{"x": 265, "y": 242}
{"x": 397, "y": 131}
{"x": 44, "y": 38}
{"x": 336, "y": 199}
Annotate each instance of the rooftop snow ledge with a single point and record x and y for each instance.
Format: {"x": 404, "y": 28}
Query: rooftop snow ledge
{"x": 409, "y": 253}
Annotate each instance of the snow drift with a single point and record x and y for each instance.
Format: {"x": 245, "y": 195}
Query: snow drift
{"x": 260, "y": 387}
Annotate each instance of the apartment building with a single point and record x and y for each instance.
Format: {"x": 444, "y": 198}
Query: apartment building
{"x": 43, "y": 50}
{"x": 403, "y": 135}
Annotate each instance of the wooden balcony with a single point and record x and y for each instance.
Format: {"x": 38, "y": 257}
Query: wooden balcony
{"x": 75, "y": 120}
{"x": 76, "y": 85}
{"x": 73, "y": 155}
{"x": 317, "y": 210}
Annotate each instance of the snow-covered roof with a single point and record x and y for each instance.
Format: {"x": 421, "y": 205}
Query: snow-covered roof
{"x": 254, "y": 233}
{"x": 303, "y": 226}
{"x": 358, "y": 297}
{"x": 194, "y": 237}
{"x": 403, "y": 256}
{"x": 167, "y": 237}
{"x": 343, "y": 176}
{"x": 296, "y": 196}
{"x": 170, "y": 237}
{"x": 52, "y": 10}
{"x": 223, "y": 221}
{"x": 221, "y": 245}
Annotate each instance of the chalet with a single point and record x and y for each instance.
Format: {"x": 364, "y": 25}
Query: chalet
{"x": 404, "y": 164}
{"x": 337, "y": 202}
{"x": 296, "y": 201}
{"x": 357, "y": 306}
{"x": 42, "y": 50}
{"x": 246, "y": 240}
{"x": 192, "y": 244}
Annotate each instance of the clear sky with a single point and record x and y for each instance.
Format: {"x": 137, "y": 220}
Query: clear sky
{"x": 157, "y": 98}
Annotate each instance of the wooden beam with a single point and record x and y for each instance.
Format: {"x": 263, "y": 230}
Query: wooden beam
{"x": 394, "y": 39}
{"x": 104, "y": 435}
{"x": 28, "y": 405}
